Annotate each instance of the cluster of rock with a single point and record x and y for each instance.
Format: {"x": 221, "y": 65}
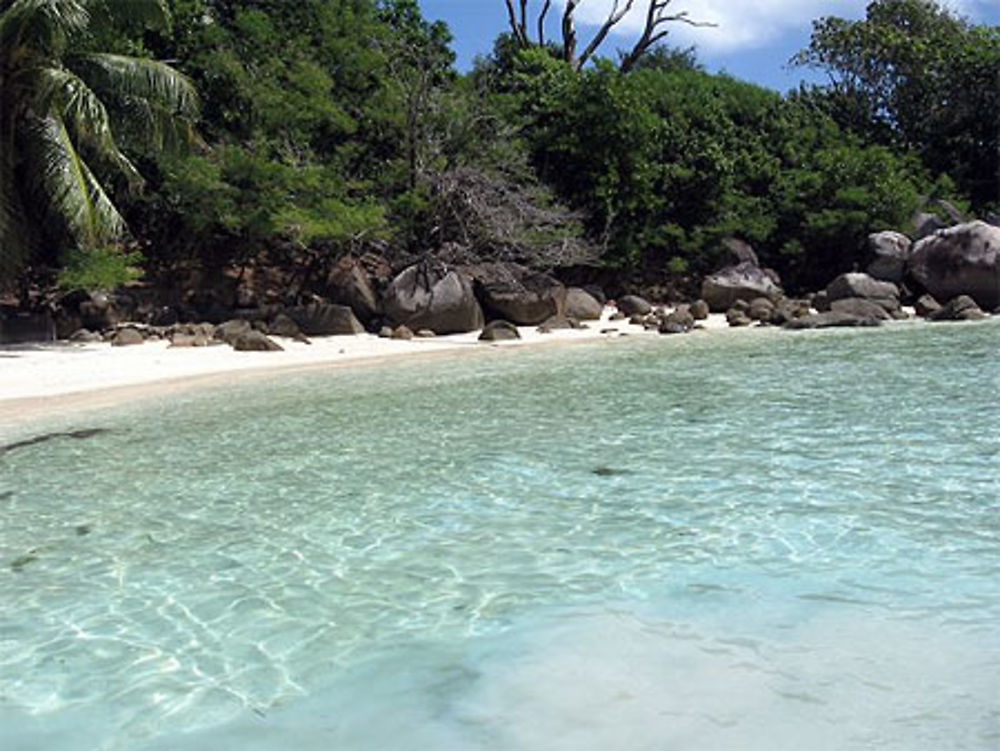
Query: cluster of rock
{"x": 959, "y": 265}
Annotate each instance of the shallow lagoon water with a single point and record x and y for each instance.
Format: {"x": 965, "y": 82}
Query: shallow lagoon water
{"x": 752, "y": 541}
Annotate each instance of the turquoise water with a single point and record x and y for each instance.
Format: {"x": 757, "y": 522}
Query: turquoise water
{"x": 763, "y": 541}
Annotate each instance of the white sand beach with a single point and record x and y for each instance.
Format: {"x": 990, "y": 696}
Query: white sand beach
{"x": 41, "y": 378}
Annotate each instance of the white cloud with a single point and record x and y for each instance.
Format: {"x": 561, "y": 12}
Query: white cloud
{"x": 743, "y": 24}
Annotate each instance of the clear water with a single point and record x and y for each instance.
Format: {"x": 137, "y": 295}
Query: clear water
{"x": 793, "y": 542}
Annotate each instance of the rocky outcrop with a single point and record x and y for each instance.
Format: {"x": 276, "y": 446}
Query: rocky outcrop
{"x": 325, "y": 319}
{"x": 679, "y": 321}
{"x": 860, "y": 307}
{"x": 861, "y": 286}
{"x": 889, "y": 252}
{"x": 960, "y": 260}
{"x": 20, "y": 328}
{"x": 510, "y": 292}
{"x": 350, "y": 284}
{"x": 828, "y": 320}
{"x": 498, "y": 331}
{"x": 961, "y": 308}
{"x": 283, "y": 325}
{"x": 581, "y": 305}
{"x": 431, "y": 296}
{"x": 745, "y": 281}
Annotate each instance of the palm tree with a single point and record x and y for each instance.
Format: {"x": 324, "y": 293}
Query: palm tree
{"x": 66, "y": 113}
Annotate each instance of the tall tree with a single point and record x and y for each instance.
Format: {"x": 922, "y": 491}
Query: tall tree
{"x": 68, "y": 111}
{"x": 914, "y": 75}
{"x": 655, "y": 28}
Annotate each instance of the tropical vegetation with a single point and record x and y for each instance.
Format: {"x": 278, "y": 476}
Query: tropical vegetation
{"x": 325, "y": 127}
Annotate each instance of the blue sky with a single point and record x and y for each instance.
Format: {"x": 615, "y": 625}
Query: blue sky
{"x": 753, "y": 40}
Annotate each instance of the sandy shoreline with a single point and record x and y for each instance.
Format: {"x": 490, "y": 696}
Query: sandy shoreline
{"x": 39, "y": 380}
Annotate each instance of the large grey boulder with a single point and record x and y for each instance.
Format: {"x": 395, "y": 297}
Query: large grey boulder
{"x": 633, "y": 305}
{"x": 325, "y": 319}
{"x": 860, "y": 307}
{"x": 889, "y": 252}
{"x": 230, "y": 330}
{"x": 498, "y": 331}
{"x": 581, "y": 305}
{"x": 960, "y": 260}
{"x": 517, "y": 294}
{"x": 744, "y": 281}
{"x": 431, "y": 296}
{"x": 961, "y": 308}
{"x": 856, "y": 284}
{"x": 350, "y": 284}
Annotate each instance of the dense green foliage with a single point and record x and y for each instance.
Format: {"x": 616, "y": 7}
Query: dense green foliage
{"x": 332, "y": 126}
{"x": 913, "y": 76}
{"x": 68, "y": 108}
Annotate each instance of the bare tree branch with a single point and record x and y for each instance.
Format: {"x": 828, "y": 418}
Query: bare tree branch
{"x": 541, "y": 22}
{"x": 614, "y": 18}
{"x": 656, "y": 17}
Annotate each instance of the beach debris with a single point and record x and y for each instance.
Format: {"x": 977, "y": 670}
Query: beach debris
{"x": 74, "y": 434}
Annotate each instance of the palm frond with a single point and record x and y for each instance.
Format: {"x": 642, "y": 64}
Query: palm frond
{"x": 16, "y": 242}
{"x": 41, "y": 27}
{"x": 67, "y": 187}
{"x": 149, "y": 14}
{"x": 62, "y": 94}
{"x": 124, "y": 77}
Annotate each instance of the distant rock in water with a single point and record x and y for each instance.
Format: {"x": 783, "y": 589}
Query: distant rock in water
{"x": 73, "y": 434}
{"x": 609, "y": 471}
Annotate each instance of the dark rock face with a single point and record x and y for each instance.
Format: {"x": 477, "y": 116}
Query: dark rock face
{"x": 27, "y": 327}
{"x": 497, "y": 331}
{"x": 126, "y": 337}
{"x": 927, "y": 224}
{"x": 743, "y": 282}
{"x": 255, "y": 341}
{"x": 514, "y": 293}
{"x": 961, "y": 260}
{"x": 890, "y": 252}
{"x": 228, "y": 332}
{"x": 961, "y": 308}
{"x": 581, "y": 305}
{"x": 430, "y": 296}
{"x": 633, "y": 305}
{"x": 324, "y": 319}
{"x": 350, "y": 284}
{"x": 860, "y": 308}
{"x": 926, "y": 306}
{"x": 828, "y": 320}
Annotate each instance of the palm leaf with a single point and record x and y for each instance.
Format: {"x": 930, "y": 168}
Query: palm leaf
{"x": 41, "y": 27}
{"x": 67, "y": 187}
{"x": 63, "y": 95}
{"x": 148, "y": 14}
{"x": 124, "y": 77}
